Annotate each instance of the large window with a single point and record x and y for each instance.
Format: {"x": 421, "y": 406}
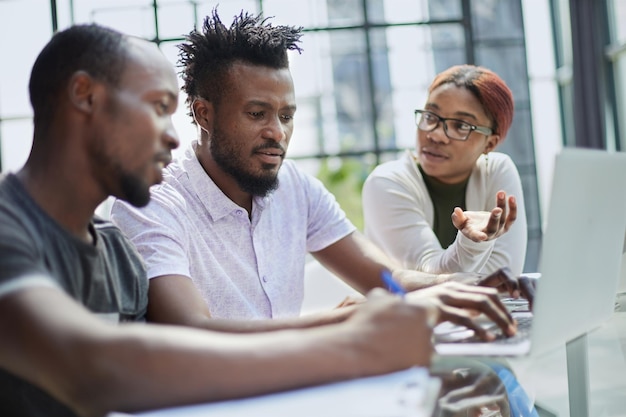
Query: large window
{"x": 365, "y": 67}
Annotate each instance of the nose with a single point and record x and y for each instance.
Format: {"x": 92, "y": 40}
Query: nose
{"x": 438, "y": 134}
{"x": 170, "y": 139}
{"x": 275, "y": 130}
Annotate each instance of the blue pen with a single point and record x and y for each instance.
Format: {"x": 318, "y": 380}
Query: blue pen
{"x": 392, "y": 285}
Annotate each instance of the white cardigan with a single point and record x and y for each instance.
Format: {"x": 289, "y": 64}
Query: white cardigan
{"x": 399, "y": 217}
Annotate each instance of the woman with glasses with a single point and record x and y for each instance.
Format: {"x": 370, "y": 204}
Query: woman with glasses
{"x": 415, "y": 207}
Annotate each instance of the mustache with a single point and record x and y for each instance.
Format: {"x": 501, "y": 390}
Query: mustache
{"x": 270, "y": 146}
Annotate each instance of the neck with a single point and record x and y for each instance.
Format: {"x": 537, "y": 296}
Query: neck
{"x": 224, "y": 181}
{"x": 67, "y": 197}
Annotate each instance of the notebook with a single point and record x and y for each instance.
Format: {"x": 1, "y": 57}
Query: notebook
{"x": 580, "y": 258}
{"x": 408, "y": 393}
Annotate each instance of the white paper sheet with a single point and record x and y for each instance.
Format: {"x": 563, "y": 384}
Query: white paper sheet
{"x": 408, "y": 393}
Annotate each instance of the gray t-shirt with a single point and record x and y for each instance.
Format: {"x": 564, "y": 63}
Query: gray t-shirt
{"x": 107, "y": 277}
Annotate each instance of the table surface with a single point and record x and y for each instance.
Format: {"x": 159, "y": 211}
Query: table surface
{"x": 545, "y": 377}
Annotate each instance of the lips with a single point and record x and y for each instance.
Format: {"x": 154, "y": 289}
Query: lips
{"x": 162, "y": 160}
{"x": 270, "y": 155}
{"x": 433, "y": 154}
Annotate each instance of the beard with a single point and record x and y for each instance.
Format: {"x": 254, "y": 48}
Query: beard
{"x": 228, "y": 158}
{"x": 134, "y": 190}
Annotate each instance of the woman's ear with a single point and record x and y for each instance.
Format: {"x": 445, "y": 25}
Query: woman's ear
{"x": 203, "y": 113}
{"x": 492, "y": 142}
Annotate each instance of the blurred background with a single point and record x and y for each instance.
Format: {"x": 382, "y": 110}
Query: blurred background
{"x": 366, "y": 66}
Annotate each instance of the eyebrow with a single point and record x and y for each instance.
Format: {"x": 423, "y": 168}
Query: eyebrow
{"x": 457, "y": 114}
{"x": 264, "y": 104}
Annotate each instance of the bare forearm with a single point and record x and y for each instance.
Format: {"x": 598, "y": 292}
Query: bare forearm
{"x": 254, "y": 326}
{"x": 416, "y": 280}
{"x": 214, "y": 367}
{"x": 95, "y": 367}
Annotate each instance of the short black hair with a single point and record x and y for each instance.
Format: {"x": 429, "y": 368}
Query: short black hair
{"x": 97, "y": 50}
{"x": 207, "y": 55}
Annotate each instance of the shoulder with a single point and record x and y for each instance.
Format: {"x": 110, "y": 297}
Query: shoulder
{"x": 397, "y": 168}
{"x": 292, "y": 178}
{"x": 496, "y": 162}
{"x": 400, "y": 172}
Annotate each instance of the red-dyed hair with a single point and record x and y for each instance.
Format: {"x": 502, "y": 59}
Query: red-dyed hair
{"x": 490, "y": 90}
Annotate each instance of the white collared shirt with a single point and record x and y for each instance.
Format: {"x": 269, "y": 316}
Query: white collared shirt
{"x": 245, "y": 268}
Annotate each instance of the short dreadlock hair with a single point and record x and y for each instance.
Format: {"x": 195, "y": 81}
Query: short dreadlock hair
{"x": 207, "y": 55}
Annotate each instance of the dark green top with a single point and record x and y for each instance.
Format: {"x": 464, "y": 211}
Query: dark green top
{"x": 445, "y": 197}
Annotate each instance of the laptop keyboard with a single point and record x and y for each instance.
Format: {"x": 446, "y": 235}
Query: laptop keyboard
{"x": 523, "y": 332}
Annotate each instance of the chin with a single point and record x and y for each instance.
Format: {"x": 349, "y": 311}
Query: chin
{"x": 135, "y": 191}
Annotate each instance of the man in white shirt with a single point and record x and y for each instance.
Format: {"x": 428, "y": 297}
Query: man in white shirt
{"x": 226, "y": 234}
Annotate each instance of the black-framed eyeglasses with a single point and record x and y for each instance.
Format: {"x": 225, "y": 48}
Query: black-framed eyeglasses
{"x": 453, "y": 128}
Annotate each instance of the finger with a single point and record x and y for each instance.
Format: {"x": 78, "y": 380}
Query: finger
{"x": 493, "y": 225}
{"x": 458, "y": 218}
{"x": 501, "y": 203}
{"x": 512, "y": 216}
{"x": 527, "y": 287}
{"x": 484, "y": 300}
{"x": 503, "y": 280}
{"x": 461, "y": 317}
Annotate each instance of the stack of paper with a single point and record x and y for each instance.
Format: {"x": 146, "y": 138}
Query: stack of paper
{"x": 408, "y": 393}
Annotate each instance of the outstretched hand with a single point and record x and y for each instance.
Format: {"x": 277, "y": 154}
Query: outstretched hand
{"x": 483, "y": 225}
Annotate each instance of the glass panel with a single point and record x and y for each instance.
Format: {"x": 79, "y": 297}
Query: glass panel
{"x": 344, "y": 178}
{"x": 444, "y": 9}
{"x": 345, "y": 12}
{"x": 315, "y": 13}
{"x": 183, "y": 124}
{"x": 133, "y": 20}
{"x": 315, "y": 121}
{"x": 18, "y": 56}
{"x": 331, "y": 78}
{"x": 398, "y": 84}
{"x": 620, "y": 85}
{"x": 448, "y": 44}
{"x": 497, "y": 19}
{"x": 509, "y": 62}
{"x": 227, "y": 9}
{"x": 411, "y": 67}
{"x": 16, "y": 137}
{"x": 176, "y": 19}
{"x": 351, "y": 91}
{"x": 402, "y": 11}
{"x": 517, "y": 143}
{"x": 84, "y": 11}
{"x": 617, "y": 17}
{"x": 305, "y": 13}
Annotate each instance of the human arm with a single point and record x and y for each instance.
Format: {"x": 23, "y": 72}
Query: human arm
{"x": 399, "y": 218}
{"x": 95, "y": 367}
{"x": 174, "y": 299}
{"x": 361, "y": 264}
{"x": 509, "y": 250}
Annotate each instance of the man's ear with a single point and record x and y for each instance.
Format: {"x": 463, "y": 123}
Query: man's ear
{"x": 81, "y": 91}
{"x": 203, "y": 113}
{"x": 492, "y": 142}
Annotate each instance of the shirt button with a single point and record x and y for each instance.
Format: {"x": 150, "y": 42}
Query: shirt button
{"x": 264, "y": 278}
{"x": 239, "y": 212}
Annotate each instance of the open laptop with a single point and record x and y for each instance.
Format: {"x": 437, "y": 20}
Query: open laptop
{"x": 580, "y": 259}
